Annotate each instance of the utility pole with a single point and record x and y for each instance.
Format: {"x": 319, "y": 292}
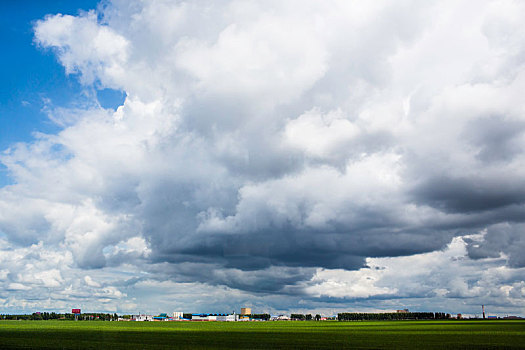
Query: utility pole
{"x": 483, "y": 309}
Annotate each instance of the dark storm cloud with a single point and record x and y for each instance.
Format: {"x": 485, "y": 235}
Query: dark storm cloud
{"x": 496, "y": 137}
{"x": 293, "y": 249}
{"x": 469, "y": 194}
{"x": 505, "y": 238}
{"x": 262, "y": 280}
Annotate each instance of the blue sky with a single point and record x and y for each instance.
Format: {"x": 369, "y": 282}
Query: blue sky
{"x": 297, "y": 156}
{"x": 32, "y": 80}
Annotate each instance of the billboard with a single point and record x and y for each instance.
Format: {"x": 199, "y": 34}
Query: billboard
{"x": 75, "y": 311}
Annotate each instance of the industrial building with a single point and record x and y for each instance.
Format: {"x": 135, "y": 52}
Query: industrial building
{"x": 215, "y": 317}
{"x": 142, "y": 318}
{"x": 179, "y": 316}
{"x": 162, "y": 317}
{"x": 280, "y": 318}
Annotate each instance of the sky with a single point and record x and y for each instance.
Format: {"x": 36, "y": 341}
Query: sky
{"x": 299, "y": 156}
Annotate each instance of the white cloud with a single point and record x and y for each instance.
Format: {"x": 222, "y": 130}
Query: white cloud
{"x": 17, "y": 286}
{"x": 322, "y": 135}
{"x": 96, "y": 52}
{"x": 89, "y": 281}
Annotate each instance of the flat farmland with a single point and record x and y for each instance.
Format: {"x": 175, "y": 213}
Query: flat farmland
{"x": 263, "y": 335}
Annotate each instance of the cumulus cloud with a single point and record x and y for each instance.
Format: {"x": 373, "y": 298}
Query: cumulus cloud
{"x": 82, "y": 46}
{"x": 278, "y": 149}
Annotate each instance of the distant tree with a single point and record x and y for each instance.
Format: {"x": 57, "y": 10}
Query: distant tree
{"x": 317, "y": 317}
{"x": 264, "y": 317}
{"x": 308, "y": 317}
{"x": 297, "y": 317}
{"x": 441, "y": 315}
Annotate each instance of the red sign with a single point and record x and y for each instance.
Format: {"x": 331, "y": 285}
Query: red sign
{"x": 75, "y": 311}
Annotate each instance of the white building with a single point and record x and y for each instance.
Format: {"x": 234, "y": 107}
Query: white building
{"x": 228, "y": 318}
{"x": 142, "y": 318}
{"x": 214, "y": 317}
{"x": 280, "y": 318}
{"x": 178, "y": 315}
{"x": 202, "y": 317}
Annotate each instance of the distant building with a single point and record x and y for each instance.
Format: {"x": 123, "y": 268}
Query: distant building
{"x": 404, "y": 311}
{"x": 202, "y": 317}
{"x": 280, "y": 318}
{"x": 246, "y": 311}
{"x": 460, "y": 316}
{"x": 161, "y": 317}
{"x": 228, "y": 318}
{"x": 142, "y": 318}
{"x": 178, "y": 315}
{"x": 214, "y": 317}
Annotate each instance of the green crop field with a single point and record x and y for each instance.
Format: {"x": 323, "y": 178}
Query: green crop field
{"x": 263, "y": 335}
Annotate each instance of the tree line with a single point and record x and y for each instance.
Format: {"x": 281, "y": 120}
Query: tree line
{"x": 263, "y": 317}
{"x": 42, "y": 316}
{"x": 307, "y": 317}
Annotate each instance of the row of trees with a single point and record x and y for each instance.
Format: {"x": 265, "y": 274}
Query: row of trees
{"x": 41, "y": 316}
{"x": 357, "y": 316}
{"x": 307, "y": 317}
{"x": 264, "y": 317}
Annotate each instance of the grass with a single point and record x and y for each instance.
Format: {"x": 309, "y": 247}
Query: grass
{"x": 263, "y": 335}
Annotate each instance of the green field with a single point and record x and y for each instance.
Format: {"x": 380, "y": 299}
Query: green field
{"x": 263, "y": 335}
